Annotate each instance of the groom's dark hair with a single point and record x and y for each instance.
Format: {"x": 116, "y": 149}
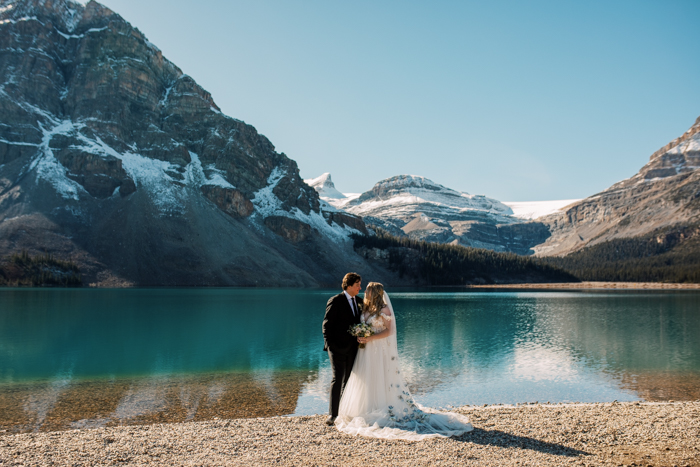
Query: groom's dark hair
{"x": 350, "y": 279}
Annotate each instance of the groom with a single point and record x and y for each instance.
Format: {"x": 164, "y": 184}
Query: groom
{"x": 342, "y": 311}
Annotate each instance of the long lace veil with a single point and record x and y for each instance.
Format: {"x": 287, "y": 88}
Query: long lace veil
{"x": 392, "y": 333}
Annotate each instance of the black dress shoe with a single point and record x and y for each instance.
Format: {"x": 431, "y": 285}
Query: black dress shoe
{"x": 330, "y": 421}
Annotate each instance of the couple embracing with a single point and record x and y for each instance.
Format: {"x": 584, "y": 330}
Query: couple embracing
{"x": 369, "y": 396}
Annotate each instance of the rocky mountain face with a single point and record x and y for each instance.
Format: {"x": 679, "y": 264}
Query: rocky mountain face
{"x": 413, "y": 206}
{"x": 112, "y": 157}
{"x": 664, "y": 193}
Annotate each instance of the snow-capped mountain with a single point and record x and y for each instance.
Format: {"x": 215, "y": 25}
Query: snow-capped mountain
{"x": 664, "y": 193}
{"x": 324, "y": 187}
{"x": 420, "y": 208}
{"x": 112, "y": 156}
{"x": 403, "y": 193}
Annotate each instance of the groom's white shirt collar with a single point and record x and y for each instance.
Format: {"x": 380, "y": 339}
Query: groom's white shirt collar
{"x": 350, "y": 300}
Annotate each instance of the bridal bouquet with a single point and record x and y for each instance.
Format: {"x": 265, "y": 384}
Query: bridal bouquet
{"x": 361, "y": 330}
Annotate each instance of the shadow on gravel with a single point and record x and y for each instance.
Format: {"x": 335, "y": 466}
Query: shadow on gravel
{"x": 507, "y": 440}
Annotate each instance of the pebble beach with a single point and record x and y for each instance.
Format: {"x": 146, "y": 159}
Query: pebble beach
{"x": 614, "y": 434}
{"x": 593, "y": 286}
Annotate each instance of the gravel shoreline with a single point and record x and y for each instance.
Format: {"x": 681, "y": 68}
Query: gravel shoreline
{"x": 614, "y": 434}
{"x": 593, "y": 285}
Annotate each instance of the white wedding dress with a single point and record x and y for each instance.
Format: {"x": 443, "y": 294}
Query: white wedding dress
{"x": 376, "y": 402}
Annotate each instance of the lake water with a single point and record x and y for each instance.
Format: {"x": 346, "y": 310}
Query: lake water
{"x": 95, "y": 357}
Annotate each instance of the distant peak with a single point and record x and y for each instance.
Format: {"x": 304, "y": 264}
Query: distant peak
{"x": 324, "y": 186}
{"x": 323, "y": 180}
{"x": 407, "y": 181}
{"x": 399, "y": 183}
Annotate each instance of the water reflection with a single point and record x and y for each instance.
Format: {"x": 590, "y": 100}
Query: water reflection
{"x": 515, "y": 347}
{"x": 646, "y": 342}
{"x": 86, "y": 358}
{"x": 58, "y": 405}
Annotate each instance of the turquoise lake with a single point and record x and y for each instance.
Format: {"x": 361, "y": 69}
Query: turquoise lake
{"x": 95, "y": 357}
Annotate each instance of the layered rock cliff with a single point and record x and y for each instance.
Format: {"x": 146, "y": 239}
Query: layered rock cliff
{"x": 664, "y": 193}
{"x": 113, "y": 157}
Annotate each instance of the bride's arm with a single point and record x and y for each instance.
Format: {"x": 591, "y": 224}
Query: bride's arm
{"x": 387, "y": 321}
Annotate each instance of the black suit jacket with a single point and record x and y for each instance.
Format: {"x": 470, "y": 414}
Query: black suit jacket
{"x": 336, "y": 323}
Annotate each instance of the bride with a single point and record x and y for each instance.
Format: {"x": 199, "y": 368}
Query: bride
{"x": 376, "y": 402}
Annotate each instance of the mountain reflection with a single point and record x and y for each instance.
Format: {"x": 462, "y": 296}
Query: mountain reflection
{"x": 559, "y": 346}
{"x": 645, "y": 340}
{"x": 60, "y": 405}
{"x": 630, "y": 332}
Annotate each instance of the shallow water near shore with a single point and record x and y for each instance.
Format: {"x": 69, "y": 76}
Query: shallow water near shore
{"x": 95, "y": 357}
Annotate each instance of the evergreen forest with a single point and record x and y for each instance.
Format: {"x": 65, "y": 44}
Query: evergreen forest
{"x": 444, "y": 264}
{"x": 666, "y": 255}
{"x": 22, "y": 269}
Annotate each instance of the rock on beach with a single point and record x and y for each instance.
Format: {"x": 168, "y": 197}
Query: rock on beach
{"x": 606, "y": 434}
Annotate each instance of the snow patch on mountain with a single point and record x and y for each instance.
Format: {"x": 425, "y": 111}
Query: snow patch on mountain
{"x": 150, "y": 174}
{"x": 335, "y": 232}
{"x": 73, "y": 14}
{"x": 49, "y": 169}
{"x": 534, "y": 209}
{"x": 19, "y": 20}
{"x": 690, "y": 148}
{"x": 195, "y": 176}
{"x": 265, "y": 202}
{"x": 326, "y": 206}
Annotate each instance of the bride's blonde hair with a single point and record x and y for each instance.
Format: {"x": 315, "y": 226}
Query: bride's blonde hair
{"x": 375, "y": 303}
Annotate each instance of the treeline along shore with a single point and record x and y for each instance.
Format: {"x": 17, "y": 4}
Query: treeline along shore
{"x": 670, "y": 255}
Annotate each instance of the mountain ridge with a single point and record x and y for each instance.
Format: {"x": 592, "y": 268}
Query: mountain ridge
{"x": 417, "y": 207}
{"x": 665, "y": 192}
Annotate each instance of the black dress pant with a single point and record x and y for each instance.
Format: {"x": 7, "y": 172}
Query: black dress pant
{"x": 341, "y": 366}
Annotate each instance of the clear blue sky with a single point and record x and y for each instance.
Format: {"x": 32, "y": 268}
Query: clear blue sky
{"x": 516, "y": 100}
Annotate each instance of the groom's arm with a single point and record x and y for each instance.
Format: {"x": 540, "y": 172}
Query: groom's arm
{"x": 330, "y": 321}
